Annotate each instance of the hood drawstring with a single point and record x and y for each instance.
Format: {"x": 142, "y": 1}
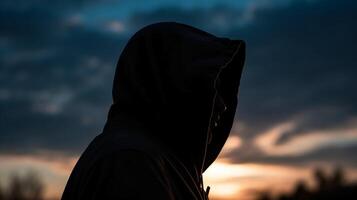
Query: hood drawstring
{"x": 205, "y": 192}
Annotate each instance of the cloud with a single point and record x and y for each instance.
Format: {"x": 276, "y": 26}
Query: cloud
{"x": 55, "y": 85}
{"x": 304, "y": 143}
{"x": 116, "y": 27}
{"x": 52, "y": 103}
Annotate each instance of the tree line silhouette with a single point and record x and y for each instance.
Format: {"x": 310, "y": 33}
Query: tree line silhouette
{"x": 328, "y": 187}
{"x": 30, "y": 186}
{"x": 23, "y": 187}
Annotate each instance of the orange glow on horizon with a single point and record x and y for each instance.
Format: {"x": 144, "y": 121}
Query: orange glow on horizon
{"x": 227, "y": 180}
{"x": 53, "y": 170}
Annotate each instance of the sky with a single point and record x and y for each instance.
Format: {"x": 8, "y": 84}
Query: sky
{"x": 297, "y": 101}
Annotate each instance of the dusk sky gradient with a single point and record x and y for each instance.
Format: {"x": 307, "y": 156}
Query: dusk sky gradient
{"x": 297, "y": 101}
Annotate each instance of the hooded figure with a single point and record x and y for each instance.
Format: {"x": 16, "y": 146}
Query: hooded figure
{"x": 174, "y": 100}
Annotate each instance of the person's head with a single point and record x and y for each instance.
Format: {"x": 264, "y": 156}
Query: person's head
{"x": 182, "y": 83}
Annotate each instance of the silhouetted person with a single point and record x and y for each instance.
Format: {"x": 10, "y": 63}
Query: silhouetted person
{"x": 174, "y": 100}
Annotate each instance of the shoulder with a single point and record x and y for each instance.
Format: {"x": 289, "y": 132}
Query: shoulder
{"x": 129, "y": 162}
{"x": 126, "y": 157}
{"x": 126, "y": 173}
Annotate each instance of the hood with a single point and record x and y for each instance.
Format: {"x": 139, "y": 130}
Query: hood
{"x": 181, "y": 84}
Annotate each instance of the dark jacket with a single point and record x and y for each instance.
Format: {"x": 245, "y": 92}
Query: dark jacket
{"x": 174, "y": 100}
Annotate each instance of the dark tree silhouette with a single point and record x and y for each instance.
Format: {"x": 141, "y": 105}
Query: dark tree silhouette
{"x": 34, "y": 186}
{"x": 15, "y": 188}
{"x": 333, "y": 187}
{"x": 27, "y": 187}
{"x": 321, "y": 178}
{"x": 301, "y": 191}
{"x": 338, "y": 177}
{"x": 264, "y": 196}
{"x": 2, "y": 197}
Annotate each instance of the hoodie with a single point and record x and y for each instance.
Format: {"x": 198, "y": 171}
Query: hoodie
{"x": 174, "y": 101}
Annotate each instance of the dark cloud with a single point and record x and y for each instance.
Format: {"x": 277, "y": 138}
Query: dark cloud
{"x": 55, "y": 85}
{"x": 300, "y": 64}
{"x": 53, "y": 5}
{"x": 300, "y": 68}
{"x": 218, "y": 19}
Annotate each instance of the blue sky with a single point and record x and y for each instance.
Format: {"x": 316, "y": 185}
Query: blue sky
{"x": 297, "y": 97}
